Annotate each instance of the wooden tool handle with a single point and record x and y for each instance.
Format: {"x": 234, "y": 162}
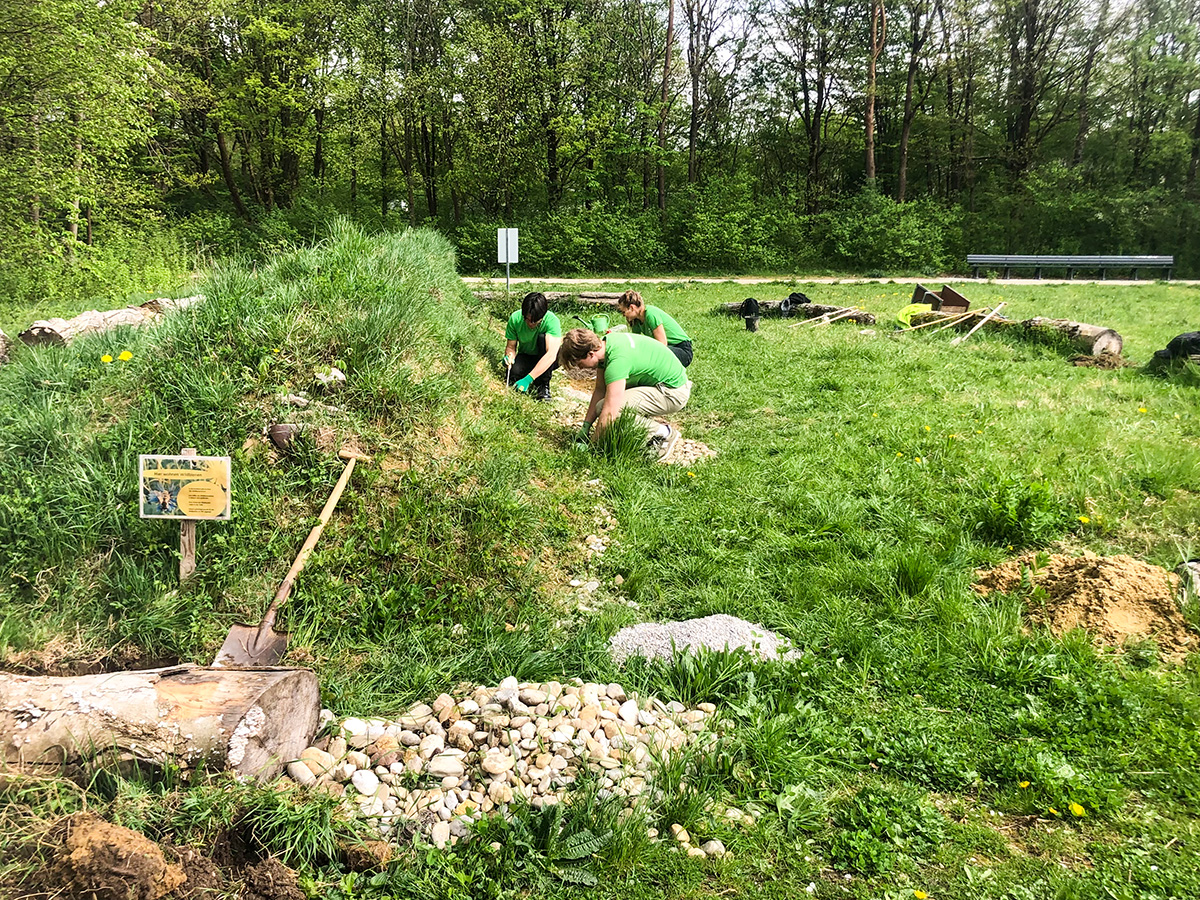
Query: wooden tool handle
{"x": 289, "y": 580}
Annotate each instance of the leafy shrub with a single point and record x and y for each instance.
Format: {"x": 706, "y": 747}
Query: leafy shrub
{"x": 1048, "y": 783}
{"x": 880, "y": 824}
{"x": 1020, "y": 514}
{"x": 871, "y": 231}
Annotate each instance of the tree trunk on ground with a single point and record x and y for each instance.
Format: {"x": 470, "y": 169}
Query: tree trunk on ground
{"x": 803, "y": 311}
{"x": 62, "y": 331}
{"x": 1091, "y": 339}
{"x": 250, "y": 721}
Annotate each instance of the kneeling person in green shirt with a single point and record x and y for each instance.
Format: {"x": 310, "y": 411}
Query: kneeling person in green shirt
{"x": 531, "y": 354}
{"x": 633, "y": 371}
{"x": 653, "y": 322}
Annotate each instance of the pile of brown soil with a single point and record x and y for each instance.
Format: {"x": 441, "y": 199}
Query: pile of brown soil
{"x": 102, "y": 861}
{"x": 1114, "y": 598}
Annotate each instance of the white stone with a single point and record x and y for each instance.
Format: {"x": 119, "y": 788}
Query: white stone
{"x": 365, "y": 781}
{"x": 300, "y": 773}
{"x": 713, "y": 848}
{"x": 445, "y": 764}
{"x": 440, "y": 834}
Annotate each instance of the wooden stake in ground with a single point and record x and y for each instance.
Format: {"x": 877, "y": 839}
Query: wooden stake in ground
{"x": 250, "y": 721}
{"x": 187, "y": 537}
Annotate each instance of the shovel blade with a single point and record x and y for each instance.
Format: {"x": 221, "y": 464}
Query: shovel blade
{"x": 249, "y": 645}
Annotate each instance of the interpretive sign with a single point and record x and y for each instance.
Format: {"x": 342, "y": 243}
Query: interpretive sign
{"x": 184, "y": 487}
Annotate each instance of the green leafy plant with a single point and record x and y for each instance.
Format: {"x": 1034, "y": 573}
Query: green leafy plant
{"x": 879, "y": 823}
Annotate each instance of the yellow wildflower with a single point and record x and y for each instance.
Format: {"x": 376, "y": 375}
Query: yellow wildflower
{"x": 691, "y": 474}
{"x": 1076, "y": 810}
{"x": 1141, "y": 409}
{"x": 106, "y": 358}
{"x": 927, "y": 428}
{"x": 920, "y": 895}
{"x": 1084, "y": 519}
{"x": 917, "y": 458}
{"x": 1053, "y": 811}
{"x": 125, "y": 356}
{"x": 1023, "y": 784}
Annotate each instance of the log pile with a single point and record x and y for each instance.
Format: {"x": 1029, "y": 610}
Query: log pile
{"x": 60, "y": 332}
{"x": 250, "y": 721}
{"x": 804, "y": 311}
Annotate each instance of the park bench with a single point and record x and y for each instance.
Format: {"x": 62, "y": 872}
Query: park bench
{"x": 1006, "y": 263}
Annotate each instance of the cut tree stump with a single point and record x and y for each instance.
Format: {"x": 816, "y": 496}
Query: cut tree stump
{"x": 802, "y": 311}
{"x": 59, "y": 332}
{"x": 249, "y": 721}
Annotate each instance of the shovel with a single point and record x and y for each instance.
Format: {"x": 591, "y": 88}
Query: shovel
{"x": 261, "y": 644}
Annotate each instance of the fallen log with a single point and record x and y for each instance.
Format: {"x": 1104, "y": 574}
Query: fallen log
{"x": 5, "y": 343}
{"x": 604, "y": 298}
{"x": 1094, "y": 340}
{"x": 59, "y": 332}
{"x": 250, "y": 721}
{"x": 802, "y": 311}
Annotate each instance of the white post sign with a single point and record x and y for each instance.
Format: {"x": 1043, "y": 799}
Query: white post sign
{"x": 506, "y": 250}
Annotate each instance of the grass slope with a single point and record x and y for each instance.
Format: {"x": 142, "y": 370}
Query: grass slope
{"x": 920, "y": 744}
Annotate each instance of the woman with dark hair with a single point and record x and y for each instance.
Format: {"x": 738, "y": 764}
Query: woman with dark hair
{"x": 533, "y": 336}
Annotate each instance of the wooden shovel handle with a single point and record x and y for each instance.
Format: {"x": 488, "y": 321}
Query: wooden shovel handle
{"x": 285, "y": 589}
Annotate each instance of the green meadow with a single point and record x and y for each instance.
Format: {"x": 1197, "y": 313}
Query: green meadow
{"x": 927, "y": 741}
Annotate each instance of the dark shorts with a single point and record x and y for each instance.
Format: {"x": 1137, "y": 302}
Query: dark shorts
{"x": 682, "y": 351}
{"x": 525, "y": 362}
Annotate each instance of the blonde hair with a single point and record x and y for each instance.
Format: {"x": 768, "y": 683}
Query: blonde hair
{"x": 628, "y": 299}
{"x": 576, "y": 344}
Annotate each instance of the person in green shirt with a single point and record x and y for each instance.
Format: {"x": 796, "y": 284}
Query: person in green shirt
{"x": 633, "y": 371}
{"x": 654, "y": 322}
{"x": 533, "y": 336}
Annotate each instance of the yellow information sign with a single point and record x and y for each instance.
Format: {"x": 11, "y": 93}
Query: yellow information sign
{"x": 184, "y": 487}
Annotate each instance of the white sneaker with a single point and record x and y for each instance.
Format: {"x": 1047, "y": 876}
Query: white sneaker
{"x": 664, "y": 444}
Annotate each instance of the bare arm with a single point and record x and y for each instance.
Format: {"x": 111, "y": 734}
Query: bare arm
{"x": 660, "y": 335}
{"x": 593, "y": 410}
{"x": 614, "y": 399}
{"x": 553, "y": 342}
{"x": 510, "y": 351}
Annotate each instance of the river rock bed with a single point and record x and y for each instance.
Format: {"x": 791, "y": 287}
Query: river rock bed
{"x": 442, "y": 767}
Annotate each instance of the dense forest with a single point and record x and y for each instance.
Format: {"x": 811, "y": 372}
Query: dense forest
{"x": 145, "y": 136}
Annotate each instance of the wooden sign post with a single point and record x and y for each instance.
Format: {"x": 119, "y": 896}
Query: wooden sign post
{"x": 187, "y": 537}
{"x": 186, "y": 487}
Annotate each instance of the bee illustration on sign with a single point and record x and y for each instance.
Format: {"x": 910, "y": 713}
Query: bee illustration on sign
{"x": 184, "y": 487}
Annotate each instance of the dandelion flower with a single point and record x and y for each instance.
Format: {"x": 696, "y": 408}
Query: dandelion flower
{"x": 1076, "y": 810}
{"x": 920, "y": 895}
{"x": 106, "y": 358}
{"x": 899, "y": 453}
{"x": 1141, "y": 409}
{"x": 917, "y": 458}
{"x": 274, "y": 349}
{"x": 876, "y": 415}
{"x": 927, "y": 428}
{"x": 691, "y": 474}
{"x": 125, "y": 356}
{"x": 1053, "y": 811}
{"x": 1084, "y": 519}
{"x": 1023, "y": 784}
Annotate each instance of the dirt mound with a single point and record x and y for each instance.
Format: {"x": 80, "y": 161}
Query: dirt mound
{"x": 1114, "y": 598}
{"x": 102, "y": 861}
{"x": 271, "y": 880}
{"x": 1105, "y": 360}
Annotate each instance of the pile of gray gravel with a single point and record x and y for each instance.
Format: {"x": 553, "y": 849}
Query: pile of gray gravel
{"x": 661, "y": 640}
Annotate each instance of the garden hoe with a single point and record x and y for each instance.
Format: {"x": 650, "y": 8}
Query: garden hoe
{"x": 262, "y": 644}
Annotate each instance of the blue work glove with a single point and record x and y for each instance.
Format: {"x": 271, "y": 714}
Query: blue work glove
{"x": 524, "y": 384}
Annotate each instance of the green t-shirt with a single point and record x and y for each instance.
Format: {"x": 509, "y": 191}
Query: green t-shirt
{"x": 641, "y": 361}
{"x": 526, "y": 337}
{"x": 656, "y": 317}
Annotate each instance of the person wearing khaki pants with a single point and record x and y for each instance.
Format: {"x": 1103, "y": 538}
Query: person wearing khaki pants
{"x": 633, "y": 371}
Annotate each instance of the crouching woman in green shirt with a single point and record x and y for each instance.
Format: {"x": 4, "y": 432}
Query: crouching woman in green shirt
{"x": 653, "y": 322}
{"x": 533, "y": 336}
{"x": 633, "y": 371}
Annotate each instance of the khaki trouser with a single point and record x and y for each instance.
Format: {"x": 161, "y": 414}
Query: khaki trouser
{"x": 657, "y": 400}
